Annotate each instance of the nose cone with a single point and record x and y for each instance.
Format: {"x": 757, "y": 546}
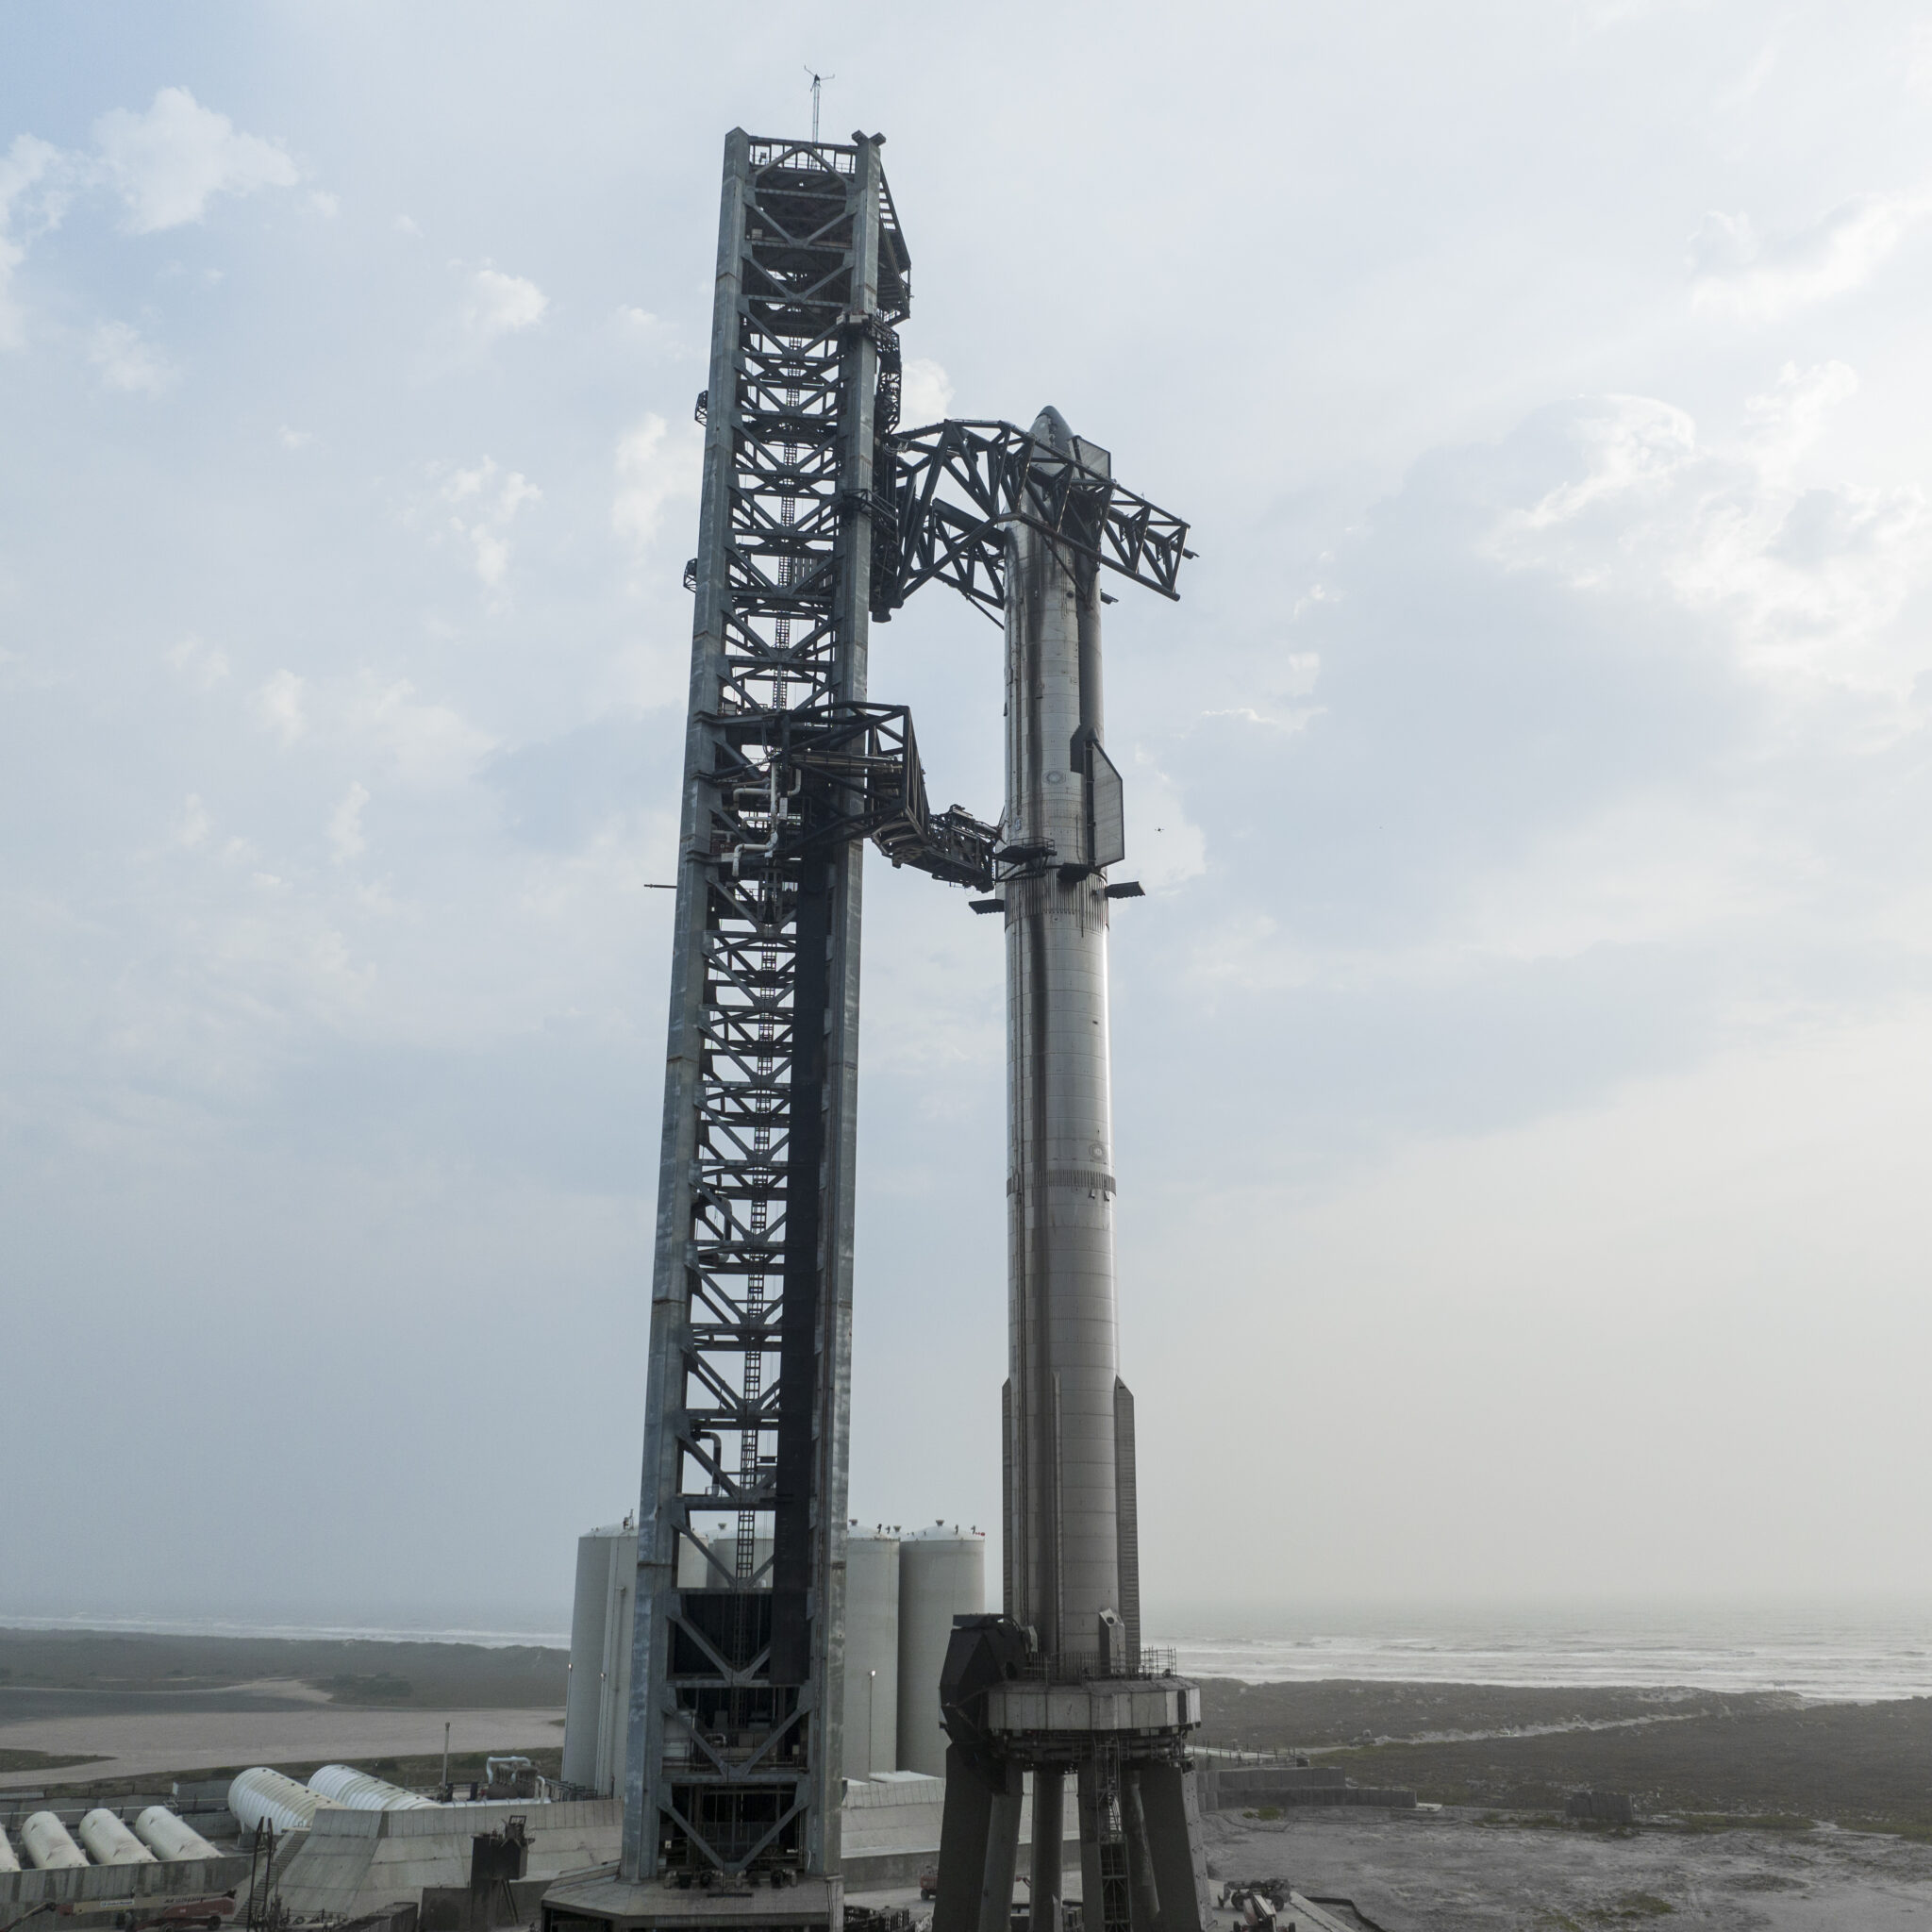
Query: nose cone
{"x": 1050, "y": 427}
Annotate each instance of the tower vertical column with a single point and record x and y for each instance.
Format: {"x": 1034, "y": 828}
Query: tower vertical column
{"x": 734, "y": 1752}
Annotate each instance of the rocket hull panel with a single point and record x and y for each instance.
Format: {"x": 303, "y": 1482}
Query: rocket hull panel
{"x": 1064, "y": 1345}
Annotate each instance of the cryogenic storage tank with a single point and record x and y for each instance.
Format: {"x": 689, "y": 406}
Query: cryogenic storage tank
{"x": 601, "y": 1555}
{"x": 109, "y": 1842}
{"x": 260, "y": 1796}
{"x": 942, "y": 1575}
{"x": 356, "y": 1791}
{"x": 871, "y": 1653}
{"x": 7, "y": 1861}
{"x": 48, "y": 1848}
{"x": 169, "y": 1838}
{"x": 596, "y": 1715}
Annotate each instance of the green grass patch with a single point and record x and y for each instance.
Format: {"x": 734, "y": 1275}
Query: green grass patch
{"x": 1746, "y": 1821}
{"x": 1919, "y": 1832}
{"x": 44, "y": 1761}
{"x": 382, "y": 1688}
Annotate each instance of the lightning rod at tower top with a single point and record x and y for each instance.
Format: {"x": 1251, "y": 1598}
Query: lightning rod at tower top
{"x": 818, "y": 80}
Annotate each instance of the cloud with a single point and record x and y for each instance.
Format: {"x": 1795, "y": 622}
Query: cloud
{"x": 654, "y": 468}
{"x": 169, "y": 163}
{"x": 925, "y": 392}
{"x": 1801, "y": 587}
{"x": 484, "y": 501}
{"x": 328, "y": 206}
{"x": 198, "y": 663}
{"x": 501, "y": 304}
{"x": 1736, "y": 272}
{"x": 295, "y": 438}
{"x": 1164, "y": 846}
{"x": 648, "y": 331}
{"x": 1624, "y": 701}
{"x": 427, "y": 745}
{"x": 560, "y": 795}
{"x": 1785, "y": 421}
{"x": 33, "y": 194}
{"x": 280, "y": 707}
{"x": 346, "y": 836}
{"x": 128, "y": 362}
{"x": 194, "y": 824}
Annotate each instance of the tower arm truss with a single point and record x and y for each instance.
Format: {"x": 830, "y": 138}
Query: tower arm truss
{"x": 860, "y": 763}
{"x": 952, "y": 490}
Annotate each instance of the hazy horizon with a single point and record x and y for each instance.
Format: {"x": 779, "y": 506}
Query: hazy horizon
{"x": 1234, "y": 1620}
{"x": 1842, "y": 1653}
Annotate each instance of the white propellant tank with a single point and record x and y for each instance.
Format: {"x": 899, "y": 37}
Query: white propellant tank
{"x": 357, "y": 1790}
{"x": 942, "y": 1575}
{"x": 260, "y": 1796}
{"x": 589, "y": 1619}
{"x": 7, "y": 1861}
{"x": 720, "y": 1534}
{"x": 872, "y": 1652}
{"x": 597, "y": 1702}
{"x": 47, "y": 1847}
{"x": 109, "y": 1842}
{"x": 169, "y": 1838}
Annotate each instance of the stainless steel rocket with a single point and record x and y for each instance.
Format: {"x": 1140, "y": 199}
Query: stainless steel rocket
{"x": 1057, "y": 1685}
{"x": 1068, "y": 1419}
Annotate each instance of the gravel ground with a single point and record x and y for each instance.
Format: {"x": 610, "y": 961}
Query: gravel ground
{"x": 135, "y": 1744}
{"x": 1451, "y": 1872}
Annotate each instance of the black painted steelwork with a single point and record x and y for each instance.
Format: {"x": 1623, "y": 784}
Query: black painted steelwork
{"x": 955, "y": 489}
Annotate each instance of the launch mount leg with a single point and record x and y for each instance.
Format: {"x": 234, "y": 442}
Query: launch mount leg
{"x": 1049, "y": 1833}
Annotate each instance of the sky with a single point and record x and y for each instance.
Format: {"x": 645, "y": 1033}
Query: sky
{"x": 1524, "y": 1052}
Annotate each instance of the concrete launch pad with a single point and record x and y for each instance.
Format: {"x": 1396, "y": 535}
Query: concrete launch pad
{"x": 606, "y": 1898}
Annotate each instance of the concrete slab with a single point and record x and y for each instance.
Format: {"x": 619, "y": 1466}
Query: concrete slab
{"x": 605, "y": 1899}
{"x": 360, "y": 1861}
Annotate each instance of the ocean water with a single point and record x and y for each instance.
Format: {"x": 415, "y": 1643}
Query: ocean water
{"x": 1834, "y": 1654}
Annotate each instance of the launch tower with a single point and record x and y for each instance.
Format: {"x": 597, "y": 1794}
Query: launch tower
{"x": 818, "y": 514}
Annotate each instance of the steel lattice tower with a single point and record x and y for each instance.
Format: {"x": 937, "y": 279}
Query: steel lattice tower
{"x": 734, "y": 1757}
